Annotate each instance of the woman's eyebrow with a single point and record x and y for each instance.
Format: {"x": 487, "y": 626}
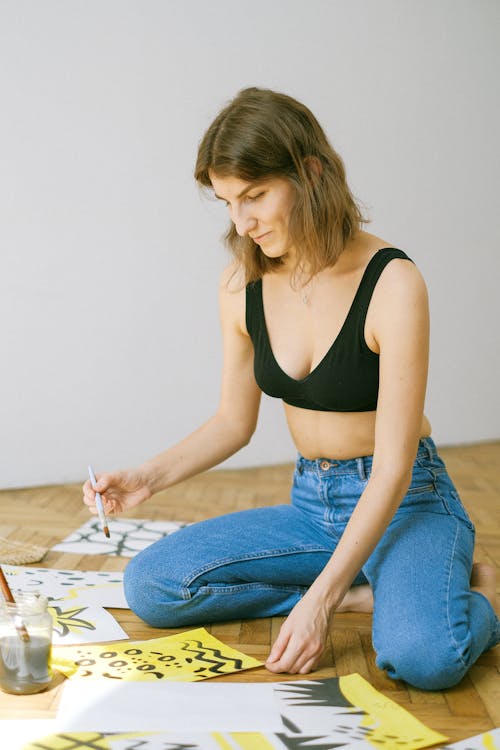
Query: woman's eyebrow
{"x": 240, "y": 195}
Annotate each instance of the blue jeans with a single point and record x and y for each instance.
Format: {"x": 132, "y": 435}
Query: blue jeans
{"x": 428, "y": 627}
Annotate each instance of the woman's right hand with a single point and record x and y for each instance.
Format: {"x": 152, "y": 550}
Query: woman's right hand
{"x": 120, "y": 491}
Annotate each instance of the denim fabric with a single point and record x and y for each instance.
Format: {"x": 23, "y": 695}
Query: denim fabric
{"x": 428, "y": 627}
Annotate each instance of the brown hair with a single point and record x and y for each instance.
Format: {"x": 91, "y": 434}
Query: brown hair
{"x": 262, "y": 134}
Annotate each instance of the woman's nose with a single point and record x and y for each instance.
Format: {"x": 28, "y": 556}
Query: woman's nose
{"x": 243, "y": 222}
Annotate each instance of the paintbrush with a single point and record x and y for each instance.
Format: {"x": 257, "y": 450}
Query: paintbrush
{"x": 8, "y": 596}
{"x": 98, "y": 504}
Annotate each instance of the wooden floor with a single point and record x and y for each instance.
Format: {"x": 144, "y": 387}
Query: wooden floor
{"x": 46, "y": 515}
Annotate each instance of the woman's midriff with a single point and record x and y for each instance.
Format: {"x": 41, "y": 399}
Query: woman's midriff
{"x": 337, "y": 435}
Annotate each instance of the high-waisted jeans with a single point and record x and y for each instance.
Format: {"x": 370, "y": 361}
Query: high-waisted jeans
{"x": 428, "y": 626}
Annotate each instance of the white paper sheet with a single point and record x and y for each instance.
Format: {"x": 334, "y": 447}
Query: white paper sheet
{"x": 128, "y": 536}
{"x": 75, "y": 625}
{"x": 315, "y": 707}
{"x": 204, "y": 741}
{"x": 16, "y": 733}
{"x": 335, "y": 711}
{"x": 196, "y": 741}
{"x": 486, "y": 741}
{"x": 82, "y": 587}
{"x": 108, "y": 706}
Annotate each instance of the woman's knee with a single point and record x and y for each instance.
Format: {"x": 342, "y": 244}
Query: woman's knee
{"x": 427, "y": 666}
{"x": 158, "y": 603}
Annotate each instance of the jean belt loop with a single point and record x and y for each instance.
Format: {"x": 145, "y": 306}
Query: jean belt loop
{"x": 429, "y": 448}
{"x": 361, "y": 468}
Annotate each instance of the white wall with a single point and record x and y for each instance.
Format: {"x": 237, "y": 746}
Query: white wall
{"x": 109, "y": 256}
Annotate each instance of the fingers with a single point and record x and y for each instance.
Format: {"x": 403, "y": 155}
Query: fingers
{"x": 89, "y": 496}
{"x": 294, "y": 664}
{"x": 294, "y": 655}
{"x": 89, "y": 493}
{"x": 279, "y": 647}
{"x": 296, "y": 661}
{"x": 310, "y": 665}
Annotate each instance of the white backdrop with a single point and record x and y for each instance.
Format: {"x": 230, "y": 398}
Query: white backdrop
{"x": 110, "y": 257}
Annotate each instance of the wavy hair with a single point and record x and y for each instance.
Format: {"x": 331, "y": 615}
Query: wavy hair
{"x": 262, "y": 134}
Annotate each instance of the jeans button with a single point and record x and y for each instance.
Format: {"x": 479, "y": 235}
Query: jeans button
{"x": 325, "y": 465}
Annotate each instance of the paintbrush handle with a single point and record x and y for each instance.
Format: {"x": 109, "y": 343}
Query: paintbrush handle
{"x": 9, "y": 597}
{"x": 98, "y": 503}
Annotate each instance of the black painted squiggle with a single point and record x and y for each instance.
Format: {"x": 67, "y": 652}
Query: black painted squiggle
{"x": 201, "y": 653}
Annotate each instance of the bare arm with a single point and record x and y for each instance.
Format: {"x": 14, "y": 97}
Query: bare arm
{"x": 230, "y": 428}
{"x": 234, "y": 423}
{"x": 402, "y": 334}
{"x": 400, "y": 329}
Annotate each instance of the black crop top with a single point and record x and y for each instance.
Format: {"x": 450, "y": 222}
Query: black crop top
{"x": 347, "y": 377}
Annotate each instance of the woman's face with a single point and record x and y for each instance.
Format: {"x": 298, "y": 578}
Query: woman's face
{"x": 260, "y": 210}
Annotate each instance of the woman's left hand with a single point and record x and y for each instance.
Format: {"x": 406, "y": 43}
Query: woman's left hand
{"x": 302, "y": 638}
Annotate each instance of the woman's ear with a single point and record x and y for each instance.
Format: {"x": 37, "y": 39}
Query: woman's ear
{"x": 313, "y": 167}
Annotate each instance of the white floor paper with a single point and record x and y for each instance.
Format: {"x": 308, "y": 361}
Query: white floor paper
{"x": 74, "y": 625}
{"x": 486, "y": 741}
{"x": 108, "y": 706}
{"x": 81, "y": 587}
{"x": 128, "y": 536}
{"x": 204, "y": 741}
{"x": 16, "y": 733}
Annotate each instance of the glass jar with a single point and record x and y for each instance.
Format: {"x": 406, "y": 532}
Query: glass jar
{"x": 25, "y": 644}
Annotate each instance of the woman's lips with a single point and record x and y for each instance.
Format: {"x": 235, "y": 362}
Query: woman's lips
{"x": 260, "y": 237}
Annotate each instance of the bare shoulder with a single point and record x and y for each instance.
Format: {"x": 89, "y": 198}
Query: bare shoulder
{"x": 399, "y": 303}
{"x": 232, "y": 279}
{"x": 401, "y": 278}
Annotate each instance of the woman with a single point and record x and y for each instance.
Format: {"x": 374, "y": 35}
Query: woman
{"x": 334, "y": 321}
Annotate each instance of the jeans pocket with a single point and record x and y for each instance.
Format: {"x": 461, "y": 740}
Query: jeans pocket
{"x": 422, "y": 481}
{"x": 453, "y": 505}
{"x": 421, "y": 494}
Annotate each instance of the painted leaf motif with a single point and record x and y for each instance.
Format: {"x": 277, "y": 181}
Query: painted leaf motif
{"x": 67, "y": 621}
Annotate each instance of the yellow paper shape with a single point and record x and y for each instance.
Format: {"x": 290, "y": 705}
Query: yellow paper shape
{"x": 184, "y": 657}
{"x": 489, "y": 741}
{"x": 390, "y": 725}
